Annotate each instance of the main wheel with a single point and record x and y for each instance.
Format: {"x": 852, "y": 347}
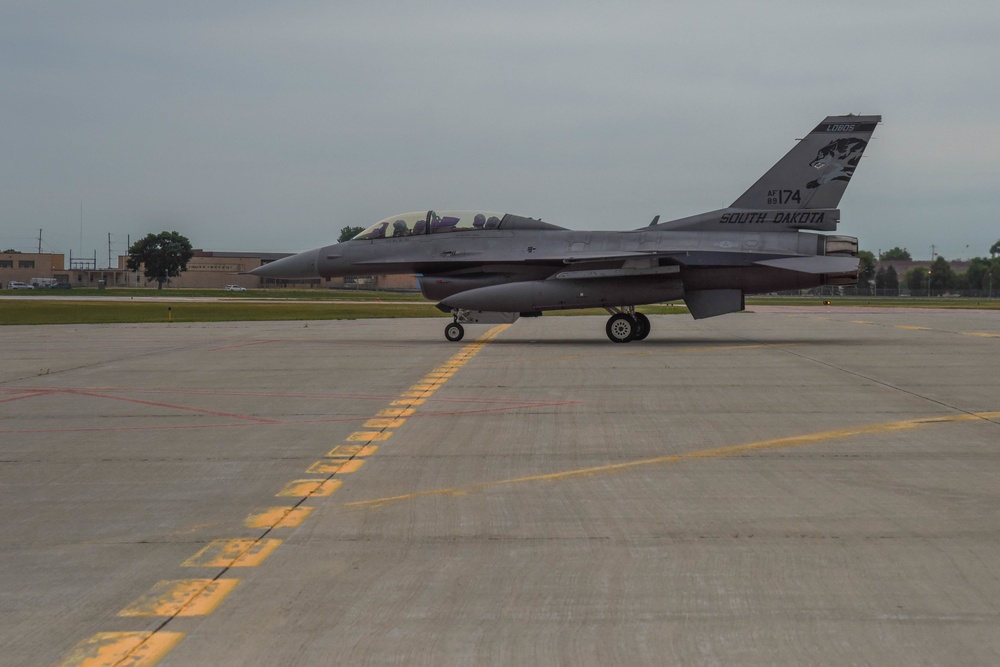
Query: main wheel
{"x": 621, "y": 328}
{"x": 642, "y": 326}
{"x": 454, "y": 332}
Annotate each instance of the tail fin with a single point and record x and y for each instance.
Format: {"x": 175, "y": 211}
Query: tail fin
{"x": 815, "y": 173}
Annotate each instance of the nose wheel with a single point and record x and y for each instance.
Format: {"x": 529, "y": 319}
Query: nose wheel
{"x": 454, "y": 332}
{"x": 625, "y": 325}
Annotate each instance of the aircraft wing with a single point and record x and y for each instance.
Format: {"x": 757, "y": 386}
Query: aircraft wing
{"x": 582, "y": 257}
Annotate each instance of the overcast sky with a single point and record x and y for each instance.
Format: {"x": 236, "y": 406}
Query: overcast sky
{"x": 267, "y": 126}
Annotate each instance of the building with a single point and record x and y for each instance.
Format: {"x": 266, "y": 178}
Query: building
{"x": 23, "y": 266}
{"x": 206, "y": 270}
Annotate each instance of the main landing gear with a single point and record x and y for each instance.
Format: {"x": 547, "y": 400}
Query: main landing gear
{"x": 626, "y": 325}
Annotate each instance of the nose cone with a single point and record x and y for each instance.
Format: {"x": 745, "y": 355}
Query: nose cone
{"x": 303, "y": 265}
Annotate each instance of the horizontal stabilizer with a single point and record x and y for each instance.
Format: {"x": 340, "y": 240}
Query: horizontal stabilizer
{"x": 816, "y": 264}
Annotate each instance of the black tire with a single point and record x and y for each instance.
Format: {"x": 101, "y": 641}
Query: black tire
{"x": 621, "y": 328}
{"x": 454, "y": 332}
{"x": 642, "y": 326}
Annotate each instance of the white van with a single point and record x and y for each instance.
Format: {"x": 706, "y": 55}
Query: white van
{"x": 13, "y": 284}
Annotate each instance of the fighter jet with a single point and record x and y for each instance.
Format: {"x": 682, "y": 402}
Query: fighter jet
{"x": 486, "y": 267}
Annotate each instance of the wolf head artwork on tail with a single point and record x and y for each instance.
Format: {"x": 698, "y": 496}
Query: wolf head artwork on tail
{"x": 838, "y": 159}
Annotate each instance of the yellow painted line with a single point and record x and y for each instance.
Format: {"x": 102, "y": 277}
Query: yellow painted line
{"x": 408, "y": 402}
{"x": 309, "y": 487}
{"x": 351, "y": 451}
{"x": 384, "y": 423}
{"x": 181, "y": 597}
{"x": 911, "y": 328}
{"x": 233, "y": 553}
{"x": 369, "y": 436}
{"x": 718, "y": 452}
{"x": 195, "y": 597}
{"x": 278, "y": 517}
{"x": 983, "y": 334}
{"x": 335, "y": 467}
{"x": 861, "y": 322}
{"x": 122, "y": 649}
{"x": 395, "y": 412}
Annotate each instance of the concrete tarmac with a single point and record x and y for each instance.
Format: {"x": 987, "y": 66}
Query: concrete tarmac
{"x": 784, "y": 487}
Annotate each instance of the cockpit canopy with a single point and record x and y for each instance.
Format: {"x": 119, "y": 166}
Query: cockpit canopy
{"x": 429, "y": 222}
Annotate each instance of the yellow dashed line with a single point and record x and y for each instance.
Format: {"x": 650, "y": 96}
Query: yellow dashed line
{"x": 309, "y": 487}
{"x": 396, "y": 412}
{"x": 181, "y": 597}
{"x": 113, "y": 649}
{"x": 369, "y": 436}
{"x": 233, "y": 553}
{"x": 409, "y": 402}
{"x": 352, "y": 451}
{"x": 278, "y": 517}
{"x": 384, "y": 423}
{"x": 192, "y": 597}
{"x": 982, "y": 334}
{"x": 335, "y": 467}
{"x": 911, "y": 328}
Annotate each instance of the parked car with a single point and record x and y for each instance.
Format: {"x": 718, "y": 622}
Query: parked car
{"x": 61, "y": 286}
{"x": 235, "y": 288}
{"x": 13, "y": 284}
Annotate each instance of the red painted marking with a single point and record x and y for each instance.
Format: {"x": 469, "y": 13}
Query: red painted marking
{"x": 23, "y": 396}
{"x": 171, "y": 406}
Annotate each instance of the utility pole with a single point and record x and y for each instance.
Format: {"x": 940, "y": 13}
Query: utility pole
{"x": 39, "y": 242}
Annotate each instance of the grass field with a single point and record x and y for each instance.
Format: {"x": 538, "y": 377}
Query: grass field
{"x": 93, "y": 306}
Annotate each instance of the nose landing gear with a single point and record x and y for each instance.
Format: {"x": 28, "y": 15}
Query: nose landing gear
{"x": 454, "y": 332}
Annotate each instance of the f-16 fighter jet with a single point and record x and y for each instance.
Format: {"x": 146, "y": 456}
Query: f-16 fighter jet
{"x": 487, "y": 267}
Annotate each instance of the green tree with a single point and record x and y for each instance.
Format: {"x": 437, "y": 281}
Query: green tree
{"x": 942, "y": 277}
{"x": 866, "y": 269}
{"x": 977, "y": 275}
{"x": 995, "y": 249}
{"x": 886, "y": 279}
{"x": 347, "y": 233}
{"x": 160, "y": 256}
{"x": 896, "y": 253}
{"x": 11, "y": 251}
{"x": 916, "y": 280}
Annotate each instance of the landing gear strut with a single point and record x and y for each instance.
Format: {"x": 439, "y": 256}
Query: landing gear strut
{"x": 626, "y": 325}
